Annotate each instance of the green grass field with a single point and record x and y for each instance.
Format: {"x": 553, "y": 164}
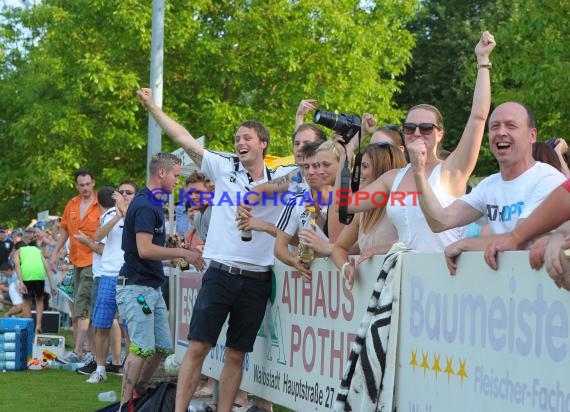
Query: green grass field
{"x": 57, "y": 390}
{"x": 53, "y": 389}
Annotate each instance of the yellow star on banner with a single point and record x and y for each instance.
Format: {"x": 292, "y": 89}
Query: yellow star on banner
{"x": 425, "y": 363}
{"x": 462, "y": 372}
{"x": 449, "y": 367}
{"x": 436, "y": 368}
{"x": 414, "y": 360}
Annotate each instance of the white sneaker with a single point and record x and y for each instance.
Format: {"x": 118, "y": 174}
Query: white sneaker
{"x": 97, "y": 377}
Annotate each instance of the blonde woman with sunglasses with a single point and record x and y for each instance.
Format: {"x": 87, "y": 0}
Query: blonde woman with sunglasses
{"x": 448, "y": 177}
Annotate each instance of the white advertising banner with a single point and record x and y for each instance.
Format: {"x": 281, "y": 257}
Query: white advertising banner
{"x": 304, "y": 340}
{"x": 482, "y": 340}
{"x": 479, "y": 341}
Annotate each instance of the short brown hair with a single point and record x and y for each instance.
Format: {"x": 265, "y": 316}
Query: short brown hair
{"x": 320, "y": 135}
{"x": 196, "y": 177}
{"x": 261, "y": 131}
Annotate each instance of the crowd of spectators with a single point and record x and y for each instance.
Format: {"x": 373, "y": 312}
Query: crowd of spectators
{"x": 237, "y": 283}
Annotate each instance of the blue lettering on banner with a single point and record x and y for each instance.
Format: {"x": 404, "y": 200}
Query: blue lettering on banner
{"x": 520, "y": 391}
{"x": 218, "y": 353}
{"x": 520, "y": 326}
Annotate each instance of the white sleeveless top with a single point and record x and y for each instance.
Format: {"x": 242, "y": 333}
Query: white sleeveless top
{"x": 410, "y": 221}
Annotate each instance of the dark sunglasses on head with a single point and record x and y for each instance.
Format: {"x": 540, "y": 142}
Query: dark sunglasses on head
{"x": 394, "y": 127}
{"x": 126, "y": 192}
{"x": 381, "y": 144}
{"x": 145, "y": 308}
{"x": 425, "y": 128}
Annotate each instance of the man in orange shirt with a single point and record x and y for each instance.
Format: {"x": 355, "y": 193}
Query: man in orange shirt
{"x": 81, "y": 215}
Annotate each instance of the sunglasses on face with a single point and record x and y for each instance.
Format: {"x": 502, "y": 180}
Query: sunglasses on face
{"x": 145, "y": 308}
{"x": 425, "y": 128}
{"x": 126, "y": 192}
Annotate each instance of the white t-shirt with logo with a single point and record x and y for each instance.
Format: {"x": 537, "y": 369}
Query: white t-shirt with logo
{"x": 502, "y": 203}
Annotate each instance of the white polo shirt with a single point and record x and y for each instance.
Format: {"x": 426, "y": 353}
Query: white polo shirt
{"x": 232, "y": 181}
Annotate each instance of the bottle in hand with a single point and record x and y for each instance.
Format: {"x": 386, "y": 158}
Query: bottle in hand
{"x": 307, "y": 253}
{"x": 246, "y": 235}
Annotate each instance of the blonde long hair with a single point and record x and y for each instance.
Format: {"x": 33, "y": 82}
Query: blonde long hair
{"x": 383, "y": 157}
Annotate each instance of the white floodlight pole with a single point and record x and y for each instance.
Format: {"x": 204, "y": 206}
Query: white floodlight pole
{"x": 156, "y": 70}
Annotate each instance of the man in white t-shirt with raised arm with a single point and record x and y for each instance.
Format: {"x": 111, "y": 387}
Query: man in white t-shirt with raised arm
{"x": 238, "y": 280}
{"x": 500, "y": 200}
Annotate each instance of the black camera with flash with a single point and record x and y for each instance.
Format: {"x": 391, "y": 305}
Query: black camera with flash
{"x": 347, "y": 125}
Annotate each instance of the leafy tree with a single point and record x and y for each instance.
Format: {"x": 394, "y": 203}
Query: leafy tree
{"x": 70, "y": 69}
{"x": 535, "y": 61}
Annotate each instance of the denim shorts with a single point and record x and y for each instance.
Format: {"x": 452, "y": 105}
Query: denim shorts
{"x": 149, "y": 333}
{"x": 105, "y": 307}
{"x": 222, "y": 293}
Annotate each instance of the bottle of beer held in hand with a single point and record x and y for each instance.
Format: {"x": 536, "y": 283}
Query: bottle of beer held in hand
{"x": 307, "y": 253}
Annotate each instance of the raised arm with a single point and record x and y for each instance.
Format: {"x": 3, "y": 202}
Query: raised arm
{"x": 173, "y": 129}
{"x": 304, "y": 107}
{"x": 460, "y": 164}
{"x": 561, "y": 147}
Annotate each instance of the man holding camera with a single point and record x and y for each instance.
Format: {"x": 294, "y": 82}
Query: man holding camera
{"x": 238, "y": 280}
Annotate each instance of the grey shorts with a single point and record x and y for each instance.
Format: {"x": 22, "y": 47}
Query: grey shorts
{"x": 149, "y": 333}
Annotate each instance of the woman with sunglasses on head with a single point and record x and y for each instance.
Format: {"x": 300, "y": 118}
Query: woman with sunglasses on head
{"x": 448, "y": 177}
{"x": 391, "y": 133}
{"x": 371, "y": 231}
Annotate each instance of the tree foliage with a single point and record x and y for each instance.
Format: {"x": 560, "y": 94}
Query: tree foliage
{"x": 70, "y": 69}
{"x": 530, "y": 62}
{"x": 535, "y": 61}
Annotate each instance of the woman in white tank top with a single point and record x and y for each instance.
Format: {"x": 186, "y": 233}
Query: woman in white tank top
{"x": 448, "y": 177}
